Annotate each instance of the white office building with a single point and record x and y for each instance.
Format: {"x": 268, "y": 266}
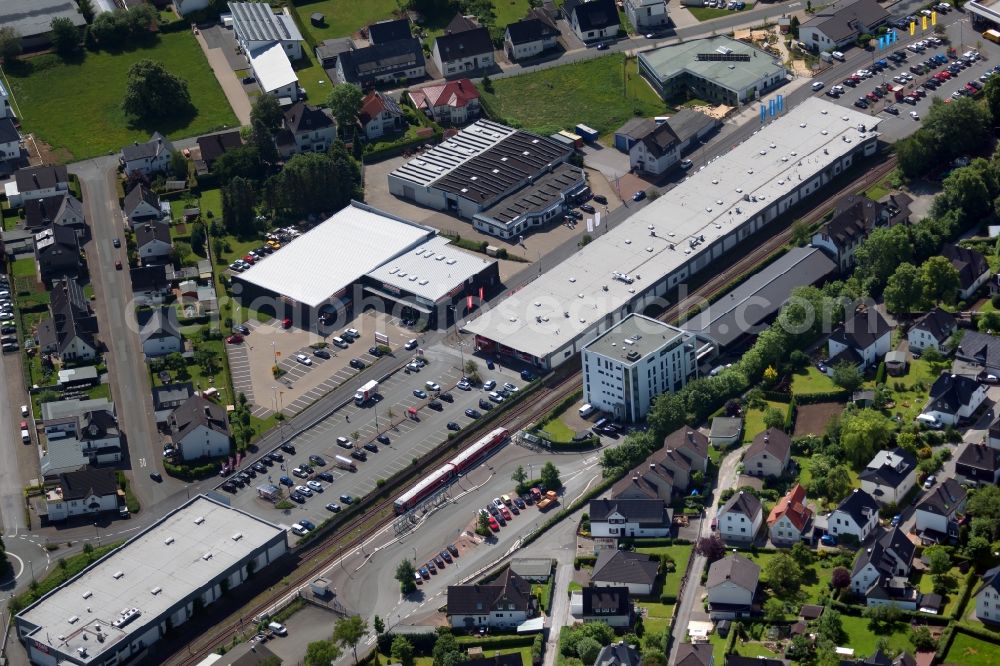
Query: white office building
{"x": 635, "y": 361}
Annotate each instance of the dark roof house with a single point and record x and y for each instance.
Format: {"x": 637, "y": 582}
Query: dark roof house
{"x": 937, "y": 323}
{"x": 592, "y": 16}
{"x": 43, "y": 177}
{"x": 389, "y": 31}
{"x": 694, "y": 654}
{"x": 57, "y": 251}
{"x": 617, "y": 654}
{"x": 530, "y": 30}
{"x": 86, "y": 483}
{"x": 624, "y": 568}
{"x": 508, "y": 592}
{"x": 970, "y": 264}
{"x": 601, "y": 602}
{"x": 214, "y": 146}
{"x": 642, "y": 511}
{"x": 194, "y": 413}
{"x": 61, "y": 209}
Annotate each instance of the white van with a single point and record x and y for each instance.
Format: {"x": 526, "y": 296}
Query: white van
{"x": 587, "y": 410}
{"x": 339, "y": 342}
{"x": 929, "y": 421}
{"x": 837, "y": 55}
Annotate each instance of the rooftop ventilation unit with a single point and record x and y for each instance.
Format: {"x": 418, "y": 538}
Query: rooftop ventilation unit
{"x": 206, "y": 556}
{"x": 423, "y": 283}
{"x": 118, "y": 575}
{"x": 74, "y": 619}
{"x": 237, "y": 536}
{"x": 199, "y": 520}
{"x": 440, "y": 257}
{"x": 126, "y": 616}
{"x": 88, "y": 594}
{"x": 156, "y": 590}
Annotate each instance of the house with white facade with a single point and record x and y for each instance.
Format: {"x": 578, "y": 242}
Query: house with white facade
{"x": 153, "y": 243}
{"x": 70, "y": 333}
{"x": 59, "y": 210}
{"x": 880, "y": 571}
{"x": 629, "y": 518}
{"x": 889, "y": 476}
{"x": 838, "y": 25}
{"x": 939, "y": 512}
{"x": 931, "y": 330}
{"x": 647, "y": 14}
{"x": 980, "y": 349}
{"x": 149, "y": 285}
{"x": 142, "y": 206}
{"x": 972, "y": 267}
{"x": 452, "y": 103}
{"x": 464, "y": 48}
{"x": 768, "y": 454}
{"x": 988, "y": 597}
{"x": 199, "y": 428}
{"x": 854, "y": 218}
{"x": 593, "y": 21}
{"x": 622, "y": 568}
{"x": 149, "y": 158}
{"x": 6, "y": 111}
{"x": 10, "y": 141}
{"x": 740, "y": 518}
{"x": 256, "y": 25}
{"x": 305, "y": 129}
{"x": 380, "y": 115}
{"x": 609, "y": 605}
{"x": 503, "y": 603}
{"x": 732, "y": 585}
{"x": 954, "y": 398}
{"x": 790, "y": 521}
{"x": 978, "y": 464}
{"x": 633, "y": 362}
{"x": 856, "y": 515}
{"x": 87, "y": 492}
{"x": 86, "y": 430}
{"x": 530, "y": 37}
{"x": 159, "y": 332}
{"x": 36, "y": 182}
{"x": 862, "y": 340}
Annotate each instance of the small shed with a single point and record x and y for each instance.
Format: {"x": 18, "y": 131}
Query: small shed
{"x": 317, "y": 19}
{"x": 726, "y": 431}
{"x": 588, "y": 133}
{"x": 321, "y": 588}
{"x": 896, "y": 363}
{"x": 865, "y": 398}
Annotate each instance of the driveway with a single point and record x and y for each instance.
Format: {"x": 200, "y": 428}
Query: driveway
{"x": 560, "y": 611}
{"x": 607, "y": 159}
{"x": 231, "y": 86}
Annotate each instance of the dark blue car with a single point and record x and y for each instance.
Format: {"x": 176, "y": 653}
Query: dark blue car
{"x": 286, "y": 481}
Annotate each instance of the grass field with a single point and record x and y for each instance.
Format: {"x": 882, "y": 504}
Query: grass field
{"x": 914, "y": 386}
{"x": 590, "y": 92}
{"x": 863, "y": 639}
{"x": 811, "y": 380}
{"x": 558, "y": 431}
{"x": 709, "y": 13}
{"x": 971, "y": 651}
{"x": 313, "y": 78}
{"x": 680, "y": 554}
{"x": 657, "y": 617}
{"x": 343, "y": 19}
{"x": 753, "y": 423}
{"x": 75, "y": 107}
{"x": 23, "y": 268}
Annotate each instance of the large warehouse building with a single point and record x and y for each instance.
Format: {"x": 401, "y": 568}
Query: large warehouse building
{"x": 476, "y": 168}
{"x": 659, "y": 247}
{"x": 117, "y": 608}
{"x": 344, "y": 265}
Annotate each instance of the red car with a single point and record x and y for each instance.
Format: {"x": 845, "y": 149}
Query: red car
{"x": 234, "y": 339}
{"x": 286, "y": 323}
{"x": 118, "y": 264}
{"x": 494, "y": 525}
{"x": 505, "y": 513}
{"x": 250, "y": 259}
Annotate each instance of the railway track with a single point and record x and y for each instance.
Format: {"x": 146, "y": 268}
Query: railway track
{"x": 316, "y": 557}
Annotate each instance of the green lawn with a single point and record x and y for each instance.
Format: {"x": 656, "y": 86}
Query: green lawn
{"x": 590, "y": 92}
{"x": 510, "y": 11}
{"x": 709, "y": 13}
{"x": 925, "y": 583}
{"x": 971, "y": 651}
{"x": 753, "y": 423}
{"x": 862, "y": 638}
{"x": 657, "y": 617}
{"x": 811, "y": 380}
{"x": 680, "y": 553}
{"x": 342, "y": 19}
{"x": 718, "y": 647}
{"x": 23, "y": 268}
{"x": 912, "y": 394}
{"x": 558, "y": 431}
{"x": 75, "y": 107}
{"x": 313, "y": 78}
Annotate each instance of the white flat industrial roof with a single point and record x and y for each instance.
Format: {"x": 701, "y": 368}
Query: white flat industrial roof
{"x": 152, "y": 572}
{"x": 431, "y": 270}
{"x": 710, "y": 203}
{"x": 448, "y": 155}
{"x": 334, "y": 254}
{"x": 272, "y": 67}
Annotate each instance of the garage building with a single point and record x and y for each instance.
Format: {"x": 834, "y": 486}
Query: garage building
{"x": 476, "y": 168}
{"x": 117, "y": 608}
{"x": 644, "y": 259}
{"x": 541, "y": 203}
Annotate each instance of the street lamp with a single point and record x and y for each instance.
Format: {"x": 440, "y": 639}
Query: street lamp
{"x": 98, "y": 532}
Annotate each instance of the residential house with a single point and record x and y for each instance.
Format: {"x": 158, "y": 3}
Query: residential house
{"x": 616, "y": 654}
{"x": 142, "y": 206}
{"x": 380, "y": 115}
{"x": 274, "y": 72}
{"x": 840, "y": 24}
{"x": 694, "y": 654}
{"x": 621, "y": 568}
{"x": 159, "y": 333}
{"x": 629, "y": 518}
{"x": 149, "y": 285}
{"x": 854, "y": 218}
{"x": 256, "y": 25}
{"x": 213, "y": 146}
{"x": 931, "y": 330}
{"x": 980, "y": 349}
{"x": 856, "y": 515}
{"x": 60, "y": 210}
{"x": 83, "y": 431}
{"x": 152, "y": 240}
{"x": 655, "y": 145}
{"x": 305, "y": 129}
{"x": 610, "y": 605}
{"x": 169, "y": 397}
{"x": 36, "y": 182}
{"x": 889, "y": 476}
{"x": 890, "y": 555}
{"x": 199, "y": 429}
{"x": 147, "y": 159}
{"x": 973, "y": 269}
{"x": 593, "y": 21}
{"x": 529, "y": 38}
{"x": 392, "y": 30}
{"x": 988, "y": 597}
{"x": 185, "y": 7}
{"x": 501, "y": 604}
{"x": 684, "y": 451}
{"x": 392, "y": 62}
{"x": 87, "y": 492}
{"x": 657, "y": 151}
{"x": 70, "y": 332}
{"x": 10, "y": 141}
{"x": 647, "y": 14}
{"x": 726, "y": 431}
{"x": 5, "y": 109}
{"x": 861, "y": 340}
{"x": 452, "y": 103}
{"x": 329, "y": 51}
{"x": 939, "y": 512}
{"x": 768, "y": 454}
{"x": 463, "y": 48}
{"x": 954, "y": 398}
{"x": 740, "y": 518}
{"x": 790, "y": 520}
{"x": 979, "y": 464}
{"x": 732, "y": 586}
{"x": 57, "y": 253}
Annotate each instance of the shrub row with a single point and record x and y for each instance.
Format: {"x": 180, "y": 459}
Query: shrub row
{"x": 829, "y": 396}
{"x": 495, "y": 642}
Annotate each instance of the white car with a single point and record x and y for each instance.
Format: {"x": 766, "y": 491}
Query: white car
{"x": 510, "y": 387}
{"x": 929, "y": 482}
{"x": 24, "y": 410}
{"x": 300, "y": 530}
{"x": 489, "y": 385}
{"x": 410, "y": 344}
{"x": 25, "y": 436}
{"x": 496, "y": 397}
{"x": 304, "y": 491}
{"x": 818, "y": 85}
{"x": 497, "y": 502}
{"x": 432, "y": 386}
{"x": 464, "y": 385}
{"x": 315, "y": 485}
{"x": 913, "y": 114}
{"x": 303, "y": 359}
{"x": 837, "y": 55}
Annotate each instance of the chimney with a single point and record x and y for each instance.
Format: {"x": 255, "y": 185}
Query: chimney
{"x": 208, "y": 412}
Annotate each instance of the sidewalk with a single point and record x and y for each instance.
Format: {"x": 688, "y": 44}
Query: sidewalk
{"x": 227, "y": 80}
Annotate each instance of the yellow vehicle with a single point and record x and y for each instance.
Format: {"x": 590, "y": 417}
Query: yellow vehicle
{"x": 506, "y": 499}
{"x": 992, "y": 35}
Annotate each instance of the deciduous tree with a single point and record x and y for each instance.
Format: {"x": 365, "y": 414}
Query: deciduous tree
{"x": 349, "y": 631}
{"x": 321, "y": 653}
{"x": 402, "y": 650}
{"x": 550, "y": 476}
{"x": 345, "y": 104}
{"x": 10, "y": 43}
{"x": 783, "y": 575}
{"x": 65, "y": 36}
{"x": 151, "y": 92}
{"x": 405, "y": 572}
{"x": 267, "y": 112}
{"x": 711, "y": 548}
{"x": 904, "y": 292}
{"x": 940, "y": 280}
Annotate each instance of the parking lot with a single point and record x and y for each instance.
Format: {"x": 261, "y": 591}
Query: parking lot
{"x": 408, "y": 438}
{"x": 910, "y": 112}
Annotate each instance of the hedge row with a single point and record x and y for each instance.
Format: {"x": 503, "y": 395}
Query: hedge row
{"x": 830, "y": 396}
{"x": 584, "y": 560}
{"x": 970, "y": 579}
{"x": 495, "y": 642}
